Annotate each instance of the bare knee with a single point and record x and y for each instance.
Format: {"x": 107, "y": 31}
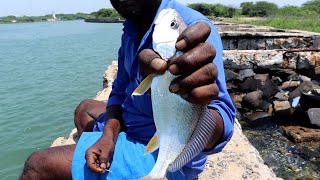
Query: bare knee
{"x": 83, "y": 107}
{"x": 50, "y": 163}
{"x": 34, "y": 167}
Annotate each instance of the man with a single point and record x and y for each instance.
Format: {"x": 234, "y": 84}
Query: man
{"x": 127, "y": 125}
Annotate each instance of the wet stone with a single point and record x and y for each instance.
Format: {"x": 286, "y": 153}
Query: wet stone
{"x": 308, "y": 101}
{"x": 270, "y": 89}
{"x": 301, "y": 134}
{"x": 314, "y": 116}
{"x": 258, "y": 118}
{"x": 281, "y": 96}
{"x": 252, "y": 99}
{"x": 317, "y": 70}
{"x": 250, "y": 85}
{"x": 304, "y": 78}
{"x": 264, "y": 105}
{"x": 245, "y": 74}
{"x": 290, "y": 85}
{"x": 304, "y": 87}
{"x": 282, "y": 108}
{"x": 237, "y": 99}
{"x": 262, "y": 77}
{"x": 276, "y": 80}
{"x": 284, "y": 74}
{"x": 230, "y": 75}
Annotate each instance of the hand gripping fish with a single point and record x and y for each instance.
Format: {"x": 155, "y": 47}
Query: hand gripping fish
{"x": 183, "y": 129}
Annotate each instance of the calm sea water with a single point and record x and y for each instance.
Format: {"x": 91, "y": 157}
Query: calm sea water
{"x": 46, "y": 69}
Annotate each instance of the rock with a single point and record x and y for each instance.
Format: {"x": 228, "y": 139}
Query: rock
{"x": 246, "y": 59}
{"x": 282, "y": 108}
{"x": 301, "y": 134}
{"x": 261, "y": 77}
{"x": 281, "y": 96}
{"x": 237, "y": 99}
{"x": 264, "y": 105}
{"x": 304, "y": 78}
{"x": 304, "y": 87}
{"x": 308, "y": 101}
{"x": 294, "y": 77}
{"x": 284, "y": 74}
{"x": 314, "y": 116}
{"x": 251, "y": 84}
{"x": 290, "y": 85}
{"x": 276, "y": 80}
{"x": 317, "y": 70}
{"x": 230, "y": 75}
{"x": 72, "y": 139}
{"x": 110, "y": 74}
{"x": 269, "y": 89}
{"x": 257, "y": 118}
{"x": 252, "y": 100}
{"x": 245, "y": 73}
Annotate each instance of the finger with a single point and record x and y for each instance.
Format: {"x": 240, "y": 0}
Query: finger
{"x": 151, "y": 62}
{"x": 203, "y": 76}
{"x": 202, "y": 95}
{"x": 104, "y": 157}
{"x": 197, "y": 57}
{"x": 192, "y": 36}
{"x": 91, "y": 157}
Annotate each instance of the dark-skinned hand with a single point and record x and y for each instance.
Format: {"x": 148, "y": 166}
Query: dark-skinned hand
{"x": 197, "y": 74}
{"x": 100, "y": 153}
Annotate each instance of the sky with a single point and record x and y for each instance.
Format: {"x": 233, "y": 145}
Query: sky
{"x": 43, "y": 7}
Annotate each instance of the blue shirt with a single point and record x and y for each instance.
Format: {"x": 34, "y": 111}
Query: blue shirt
{"x": 137, "y": 115}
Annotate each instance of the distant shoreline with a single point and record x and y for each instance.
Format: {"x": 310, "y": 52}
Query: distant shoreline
{"x": 104, "y": 20}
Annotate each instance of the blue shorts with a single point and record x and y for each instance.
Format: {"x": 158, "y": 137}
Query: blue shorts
{"x": 129, "y": 161}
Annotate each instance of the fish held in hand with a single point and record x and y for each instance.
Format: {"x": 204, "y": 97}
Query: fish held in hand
{"x": 183, "y": 129}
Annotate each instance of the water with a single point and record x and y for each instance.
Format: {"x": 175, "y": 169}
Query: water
{"x": 46, "y": 69}
{"x": 288, "y": 160}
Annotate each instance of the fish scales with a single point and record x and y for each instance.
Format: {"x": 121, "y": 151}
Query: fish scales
{"x": 181, "y": 127}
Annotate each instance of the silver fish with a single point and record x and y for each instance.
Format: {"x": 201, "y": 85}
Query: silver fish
{"x": 181, "y": 129}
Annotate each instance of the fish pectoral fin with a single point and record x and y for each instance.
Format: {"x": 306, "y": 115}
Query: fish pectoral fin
{"x": 153, "y": 144}
{"x": 144, "y": 86}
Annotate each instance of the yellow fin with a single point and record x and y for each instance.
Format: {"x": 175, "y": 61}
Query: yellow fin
{"x": 153, "y": 144}
{"x": 144, "y": 86}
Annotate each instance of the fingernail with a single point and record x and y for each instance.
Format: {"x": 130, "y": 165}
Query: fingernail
{"x": 174, "y": 69}
{"x": 185, "y": 96}
{"x": 174, "y": 88}
{"x": 159, "y": 64}
{"x": 103, "y": 166}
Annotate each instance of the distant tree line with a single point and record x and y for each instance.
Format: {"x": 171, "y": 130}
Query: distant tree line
{"x": 249, "y": 9}
{"x": 257, "y": 9}
{"x": 102, "y": 13}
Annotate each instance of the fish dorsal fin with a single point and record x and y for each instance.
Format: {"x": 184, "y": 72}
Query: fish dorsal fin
{"x": 153, "y": 144}
{"x": 144, "y": 86}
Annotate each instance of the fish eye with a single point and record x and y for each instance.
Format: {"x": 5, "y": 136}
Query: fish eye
{"x": 174, "y": 24}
